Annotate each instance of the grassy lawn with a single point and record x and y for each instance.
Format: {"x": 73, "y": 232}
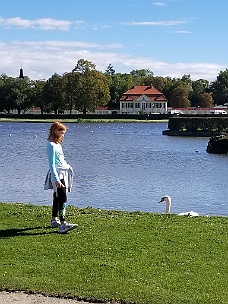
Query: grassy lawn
{"x": 130, "y": 257}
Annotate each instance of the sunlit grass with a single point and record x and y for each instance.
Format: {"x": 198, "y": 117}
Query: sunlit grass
{"x": 133, "y": 257}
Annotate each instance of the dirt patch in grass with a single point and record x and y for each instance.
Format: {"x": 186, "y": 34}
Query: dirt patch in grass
{"x": 22, "y": 298}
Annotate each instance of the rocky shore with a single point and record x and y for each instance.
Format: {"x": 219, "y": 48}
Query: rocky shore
{"x": 218, "y": 145}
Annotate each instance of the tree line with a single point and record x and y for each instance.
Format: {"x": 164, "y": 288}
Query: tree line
{"x": 84, "y": 89}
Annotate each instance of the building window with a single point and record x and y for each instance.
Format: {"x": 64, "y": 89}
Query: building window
{"x": 148, "y": 105}
{"x": 137, "y": 105}
{"x": 127, "y": 105}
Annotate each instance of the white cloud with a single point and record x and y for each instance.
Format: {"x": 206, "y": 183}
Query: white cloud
{"x": 157, "y": 23}
{"x": 43, "y": 24}
{"x": 159, "y": 4}
{"x": 44, "y": 58}
{"x": 58, "y": 44}
{"x": 182, "y": 32}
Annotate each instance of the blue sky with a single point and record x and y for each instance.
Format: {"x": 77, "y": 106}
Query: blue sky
{"x": 168, "y": 37}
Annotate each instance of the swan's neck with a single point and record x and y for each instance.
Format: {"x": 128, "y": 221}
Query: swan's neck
{"x": 168, "y": 206}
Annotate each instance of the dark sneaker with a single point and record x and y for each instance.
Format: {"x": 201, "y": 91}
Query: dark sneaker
{"x": 55, "y": 223}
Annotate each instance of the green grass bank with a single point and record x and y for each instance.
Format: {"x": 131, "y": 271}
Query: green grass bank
{"x": 126, "y": 257}
{"x": 84, "y": 120}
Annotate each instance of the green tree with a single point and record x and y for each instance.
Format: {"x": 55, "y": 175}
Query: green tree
{"x": 219, "y": 88}
{"x": 206, "y": 100}
{"x": 187, "y": 80}
{"x": 70, "y": 84}
{"x": 53, "y": 94}
{"x": 22, "y": 93}
{"x": 23, "y": 90}
{"x": 118, "y": 84}
{"x": 199, "y": 87}
{"x": 179, "y": 98}
{"x": 15, "y": 93}
{"x": 37, "y": 96}
{"x": 140, "y": 76}
{"x": 92, "y": 90}
{"x": 6, "y": 93}
{"x": 168, "y": 87}
{"x": 84, "y": 66}
{"x": 109, "y": 70}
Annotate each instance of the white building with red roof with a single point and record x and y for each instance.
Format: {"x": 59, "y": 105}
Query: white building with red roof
{"x": 143, "y": 100}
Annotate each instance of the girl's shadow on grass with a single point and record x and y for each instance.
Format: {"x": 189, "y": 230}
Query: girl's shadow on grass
{"x": 32, "y": 231}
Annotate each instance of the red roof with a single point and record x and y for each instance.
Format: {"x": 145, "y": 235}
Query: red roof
{"x": 139, "y": 90}
{"x": 149, "y": 91}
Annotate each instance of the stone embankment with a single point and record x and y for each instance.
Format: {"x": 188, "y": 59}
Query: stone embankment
{"x": 191, "y": 134}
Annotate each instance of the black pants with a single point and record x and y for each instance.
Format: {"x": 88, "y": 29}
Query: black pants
{"x": 59, "y": 203}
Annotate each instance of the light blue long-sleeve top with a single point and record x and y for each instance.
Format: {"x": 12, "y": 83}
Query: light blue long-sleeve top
{"x": 58, "y": 167}
{"x": 56, "y": 160}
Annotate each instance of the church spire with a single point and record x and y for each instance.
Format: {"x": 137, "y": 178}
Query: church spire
{"x": 21, "y": 73}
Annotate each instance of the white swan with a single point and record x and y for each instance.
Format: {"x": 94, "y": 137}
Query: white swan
{"x": 167, "y": 200}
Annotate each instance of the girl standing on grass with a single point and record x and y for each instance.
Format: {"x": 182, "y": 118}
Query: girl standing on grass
{"x": 59, "y": 177}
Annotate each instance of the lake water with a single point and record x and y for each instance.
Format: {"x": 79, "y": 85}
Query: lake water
{"x": 117, "y": 166}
